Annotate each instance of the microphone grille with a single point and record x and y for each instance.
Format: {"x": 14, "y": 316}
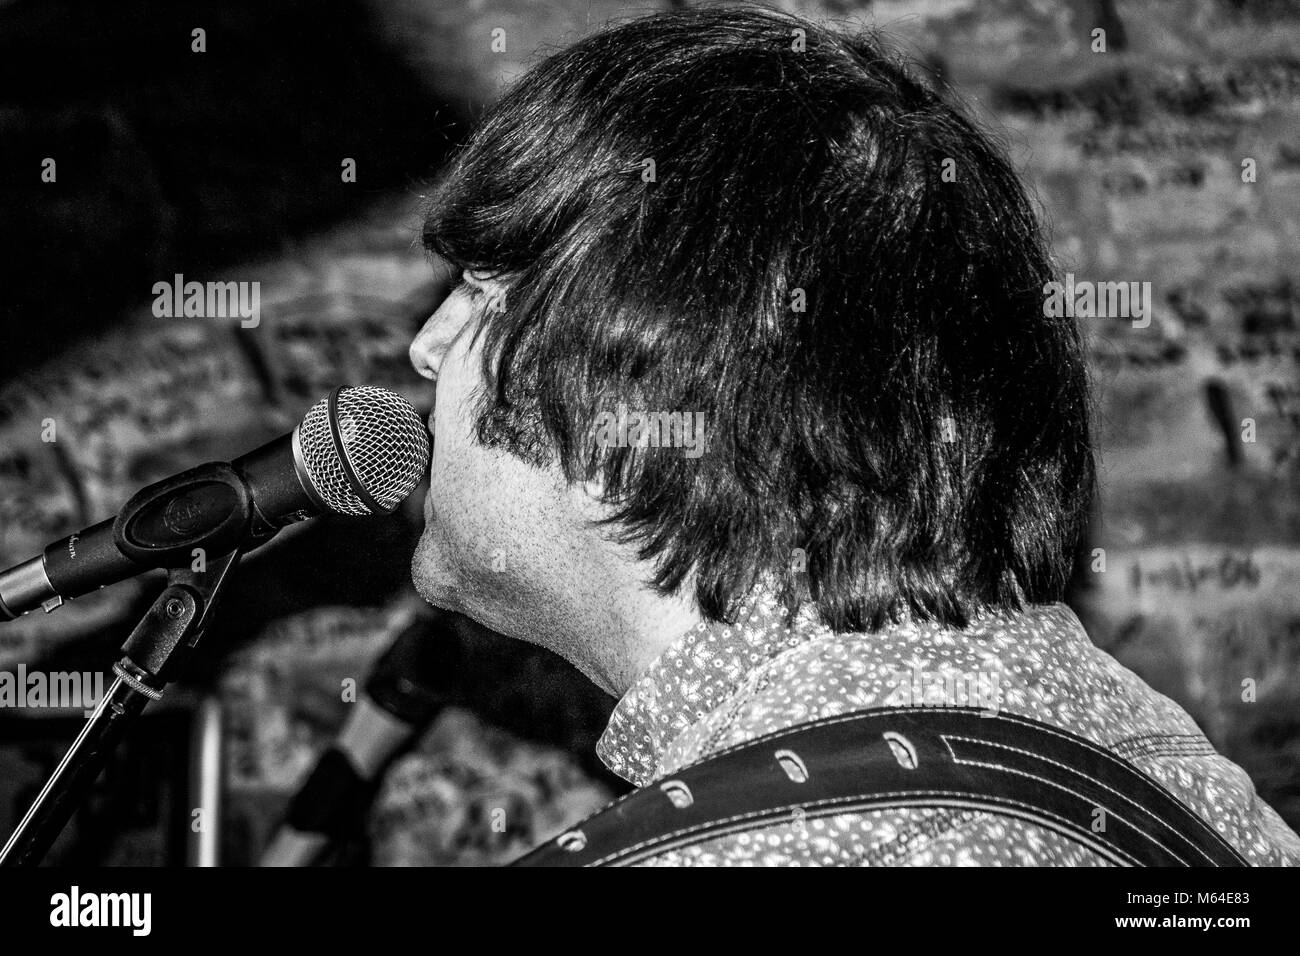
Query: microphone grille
{"x": 364, "y": 449}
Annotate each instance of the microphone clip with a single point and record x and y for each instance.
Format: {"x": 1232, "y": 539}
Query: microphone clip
{"x": 177, "y": 521}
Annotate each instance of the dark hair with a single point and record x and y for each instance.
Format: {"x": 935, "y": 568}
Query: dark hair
{"x": 920, "y": 429}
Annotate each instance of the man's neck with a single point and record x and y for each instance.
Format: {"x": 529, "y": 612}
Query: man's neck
{"x": 639, "y": 626}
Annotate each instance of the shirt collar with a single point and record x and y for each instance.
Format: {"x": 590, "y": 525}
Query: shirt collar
{"x": 696, "y": 674}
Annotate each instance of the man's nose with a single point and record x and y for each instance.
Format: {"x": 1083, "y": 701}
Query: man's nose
{"x": 432, "y": 342}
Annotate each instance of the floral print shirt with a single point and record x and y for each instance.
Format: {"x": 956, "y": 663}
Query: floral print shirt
{"x": 721, "y": 685}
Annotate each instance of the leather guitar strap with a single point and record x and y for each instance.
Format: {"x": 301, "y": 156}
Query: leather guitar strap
{"x": 903, "y": 757}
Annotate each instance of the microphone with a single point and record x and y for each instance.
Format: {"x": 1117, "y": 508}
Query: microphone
{"x": 358, "y": 451}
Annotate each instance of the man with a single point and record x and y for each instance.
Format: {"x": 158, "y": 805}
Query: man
{"x": 747, "y": 405}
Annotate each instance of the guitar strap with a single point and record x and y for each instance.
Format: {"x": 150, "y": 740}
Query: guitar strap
{"x": 903, "y": 757}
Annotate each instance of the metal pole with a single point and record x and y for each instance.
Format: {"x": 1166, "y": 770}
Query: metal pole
{"x": 67, "y": 787}
{"x": 204, "y": 845}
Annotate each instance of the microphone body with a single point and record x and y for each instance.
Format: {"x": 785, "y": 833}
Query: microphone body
{"x": 211, "y": 509}
{"x": 358, "y": 451}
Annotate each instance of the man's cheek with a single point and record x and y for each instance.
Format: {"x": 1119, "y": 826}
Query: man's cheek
{"x": 451, "y": 439}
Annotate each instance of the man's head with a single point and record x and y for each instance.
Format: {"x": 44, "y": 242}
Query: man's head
{"x": 741, "y": 217}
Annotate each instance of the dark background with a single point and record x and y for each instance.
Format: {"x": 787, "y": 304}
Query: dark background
{"x": 225, "y": 165}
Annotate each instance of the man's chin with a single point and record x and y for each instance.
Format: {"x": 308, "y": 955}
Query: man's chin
{"x": 447, "y": 584}
{"x": 432, "y": 582}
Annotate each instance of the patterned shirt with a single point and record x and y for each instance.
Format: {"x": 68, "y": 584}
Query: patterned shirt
{"x": 720, "y": 685}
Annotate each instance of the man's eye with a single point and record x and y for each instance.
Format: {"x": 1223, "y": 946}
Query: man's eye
{"x": 473, "y": 291}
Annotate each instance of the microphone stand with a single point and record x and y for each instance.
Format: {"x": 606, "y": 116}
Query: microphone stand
{"x": 153, "y": 656}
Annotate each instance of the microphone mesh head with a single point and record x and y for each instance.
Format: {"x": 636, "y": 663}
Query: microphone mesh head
{"x": 385, "y": 450}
